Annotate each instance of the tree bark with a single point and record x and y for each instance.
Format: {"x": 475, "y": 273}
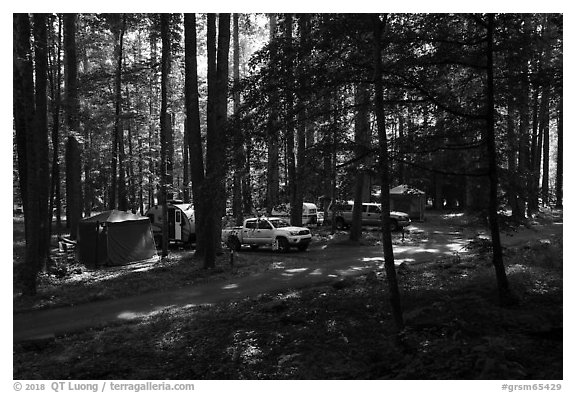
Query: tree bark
{"x": 56, "y": 82}
{"x": 140, "y": 175}
{"x": 247, "y": 180}
{"x": 521, "y": 177}
{"x": 74, "y": 160}
{"x": 214, "y": 191}
{"x": 208, "y": 203}
{"x": 196, "y": 152}
{"x": 534, "y": 179}
{"x": 130, "y": 178}
{"x": 545, "y": 129}
{"x": 24, "y": 118}
{"x": 378, "y": 27}
{"x": 152, "y": 154}
{"x": 289, "y": 124}
{"x": 185, "y": 166}
{"x": 361, "y": 131}
{"x": 223, "y": 136}
{"x": 560, "y": 156}
{"x": 273, "y": 169}
{"x": 302, "y": 126}
{"x": 164, "y": 125}
{"x": 513, "y": 199}
{"x": 41, "y": 137}
{"x": 497, "y": 259}
{"x": 119, "y": 159}
{"x": 238, "y": 137}
{"x": 88, "y": 161}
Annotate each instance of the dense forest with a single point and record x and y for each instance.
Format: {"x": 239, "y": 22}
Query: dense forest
{"x": 238, "y": 113}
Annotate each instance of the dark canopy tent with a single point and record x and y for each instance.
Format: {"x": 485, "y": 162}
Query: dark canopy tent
{"x": 115, "y": 238}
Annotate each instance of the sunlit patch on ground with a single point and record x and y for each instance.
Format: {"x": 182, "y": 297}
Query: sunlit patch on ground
{"x": 452, "y": 216}
{"x": 455, "y": 327}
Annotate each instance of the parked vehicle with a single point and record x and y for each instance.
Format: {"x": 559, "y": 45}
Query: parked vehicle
{"x": 18, "y": 208}
{"x": 371, "y": 215}
{"x": 309, "y": 213}
{"x": 267, "y": 231}
{"x": 181, "y": 222}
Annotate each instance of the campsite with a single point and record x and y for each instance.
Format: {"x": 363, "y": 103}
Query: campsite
{"x": 449, "y": 301}
{"x": 115, "y": 238}
{"x": 415, "y": 161}
{"x": 181, "y": 222}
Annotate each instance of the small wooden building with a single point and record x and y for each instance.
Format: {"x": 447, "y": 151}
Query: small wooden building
{"x": 409, "y": 200}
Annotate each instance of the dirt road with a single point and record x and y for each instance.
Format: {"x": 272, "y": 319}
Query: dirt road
{"x": 319, "y": 264}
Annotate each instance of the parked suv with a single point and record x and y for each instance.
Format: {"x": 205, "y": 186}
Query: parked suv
{"x": 371, "y": 215}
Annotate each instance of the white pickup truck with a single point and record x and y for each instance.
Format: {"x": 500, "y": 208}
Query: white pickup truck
{"x": 267, "y": 231}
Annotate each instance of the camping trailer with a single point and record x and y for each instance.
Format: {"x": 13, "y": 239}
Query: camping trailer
{"x": 181, "y": 223}
{"x": 115, "y": 238}
{"x": 309, "y": 213}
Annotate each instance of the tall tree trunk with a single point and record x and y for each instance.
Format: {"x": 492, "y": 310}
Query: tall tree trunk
{"x": 521, "y": 178}
{"x": 541, "y": 115}
{"x": 211, "y": 134}
{"x": 290, "y": 157}
{"x": 497, "y": 259}
{"x": 223, "y": 136}
{"x": 152, "y": 141}
{"x": 512, "y": 158}
{"x": 512, "y": 190}
{"x": 560, "y": 156}
{"x": 73, "y": 156}
{"x": 545, "y": 118}
{"x": 401, "y": 135}
{"x": 333, "y": 154}
{"x": 170, "y": 145}
{"x": 534, "y": 179}
{"x": 361, "y": 131}
{"x": 546, "y": 146}
{"x": 88, "y": 190}
{"x": 139, "y": 134}
{"x": 186, "y": 166}
{"x": 131, "y": 159}
{"x": 140, "y": 175}
{"x": 238, "y": 137}
{"x": 196, "y": 152}
{"x": 120, "y": 158}
{"x": 247, "y": 179}
{"x": 301, "y": 131}
{"x": 215, "y": 191}
{"x": 23, "y": 94}
{"x": 378, "y": 27}
{"x": 41, "y": 137}
{"x": 56, "y": 83}
{"x": 73, "y": 160}
{"x": 273, "y": 169}
{"x": 164, "y": 125}
{"x": 327, "y": 146}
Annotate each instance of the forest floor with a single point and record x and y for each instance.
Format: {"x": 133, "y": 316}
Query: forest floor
{"x": 455, "y": 328}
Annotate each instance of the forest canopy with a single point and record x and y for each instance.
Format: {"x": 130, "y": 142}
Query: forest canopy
{"x": 238, "y": 113}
